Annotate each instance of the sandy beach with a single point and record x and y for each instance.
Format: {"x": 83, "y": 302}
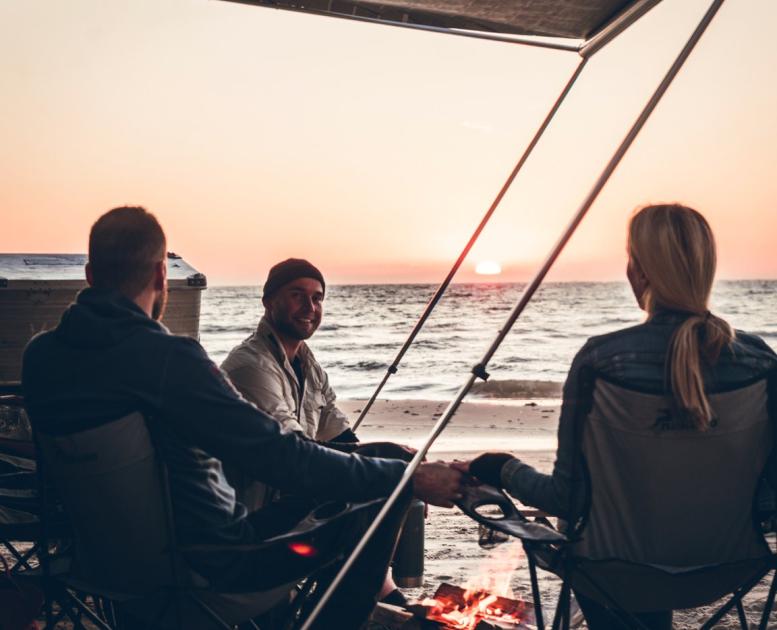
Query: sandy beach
{"x": 524, "y": 428}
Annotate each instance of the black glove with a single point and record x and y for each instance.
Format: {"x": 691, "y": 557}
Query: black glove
{"x": 488, "y": 467}
{"x": 346, "y": 436}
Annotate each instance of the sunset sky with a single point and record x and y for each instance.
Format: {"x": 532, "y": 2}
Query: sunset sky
{"x": 256, "y": 134}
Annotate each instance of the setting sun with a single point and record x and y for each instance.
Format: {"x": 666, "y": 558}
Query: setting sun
{"x": 488, "y": 268}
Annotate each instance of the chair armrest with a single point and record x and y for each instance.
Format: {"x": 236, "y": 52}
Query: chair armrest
{"x": 321, "y": 516}
{"x": 511, "y": 521}
{"x": 223, "y": 548}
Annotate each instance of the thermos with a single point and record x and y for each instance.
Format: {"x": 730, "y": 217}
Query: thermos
{"x": 408, "y": 566}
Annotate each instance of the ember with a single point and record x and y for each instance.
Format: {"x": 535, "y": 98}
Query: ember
{"x": 465, "y": 609}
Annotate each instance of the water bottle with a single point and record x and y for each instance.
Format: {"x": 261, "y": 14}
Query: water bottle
{"x": 408, "y": 566}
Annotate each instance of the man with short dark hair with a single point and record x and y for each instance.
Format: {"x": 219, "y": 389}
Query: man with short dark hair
{"x": 124, "y": 246}
{"x": 109, "y": 357}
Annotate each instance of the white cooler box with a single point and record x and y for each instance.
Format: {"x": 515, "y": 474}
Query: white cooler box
{"x": 35, "y": 289}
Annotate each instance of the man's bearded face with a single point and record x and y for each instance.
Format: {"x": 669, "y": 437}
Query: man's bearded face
{"x": 160, "y": 304}
{"x": 297, "y": 307}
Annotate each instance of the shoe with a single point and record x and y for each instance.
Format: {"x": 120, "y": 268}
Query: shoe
{"x": 395, "y": 598}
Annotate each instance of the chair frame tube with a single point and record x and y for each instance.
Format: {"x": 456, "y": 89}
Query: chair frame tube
{"x": 769, "y": 603}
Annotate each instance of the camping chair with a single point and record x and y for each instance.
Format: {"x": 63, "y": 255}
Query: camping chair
{"x": 18, "y": 496}
{"x": 18, "y": 504}
{"x": 20, "y": 530}
{"x": 670, "y": 519}
{"x": 115, "y": 491}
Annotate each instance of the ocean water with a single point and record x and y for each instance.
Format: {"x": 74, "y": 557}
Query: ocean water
{"x": 364, "y": 326}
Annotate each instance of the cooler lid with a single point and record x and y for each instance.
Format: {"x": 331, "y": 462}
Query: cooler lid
{"x": 69, "y": 268}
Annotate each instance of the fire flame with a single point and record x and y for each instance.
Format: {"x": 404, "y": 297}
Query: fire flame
{"x": 484, "y": 596}
{"x": 497, "y": 570}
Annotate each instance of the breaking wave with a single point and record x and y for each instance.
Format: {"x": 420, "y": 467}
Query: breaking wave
{"x": 512, "y": 388}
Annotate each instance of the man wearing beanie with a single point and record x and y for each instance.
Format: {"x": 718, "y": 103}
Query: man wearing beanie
{"x": 275, "y": 370}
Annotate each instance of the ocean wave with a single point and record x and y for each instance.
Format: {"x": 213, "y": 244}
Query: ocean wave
{"x": 512, "y": 361}
{"x": 219, "y": 328}
{"x": 512, "y": 388}
{"x": 361, "y": 365}
{"x": 413, "y": 388}
{"x": 763, "y": 333}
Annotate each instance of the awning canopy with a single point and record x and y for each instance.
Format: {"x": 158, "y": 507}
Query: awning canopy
{"x": 570, "y": 19}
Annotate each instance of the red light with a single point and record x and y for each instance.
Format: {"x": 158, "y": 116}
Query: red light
{"x": 303, "y": 549}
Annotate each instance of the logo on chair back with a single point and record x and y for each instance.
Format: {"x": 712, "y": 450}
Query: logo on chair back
{"x": 676, "y": 420}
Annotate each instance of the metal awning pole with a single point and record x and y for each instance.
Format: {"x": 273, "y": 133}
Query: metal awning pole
{"x": 479, "y": 371}
{"x": 392, "y": 369}
{"x": 610, "y": 31}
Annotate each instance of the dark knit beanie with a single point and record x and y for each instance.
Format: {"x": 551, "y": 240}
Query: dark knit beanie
{"x": 288, "y": 270}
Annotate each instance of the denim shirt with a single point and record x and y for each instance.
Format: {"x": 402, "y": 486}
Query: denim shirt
{"x": 635, "y": 358}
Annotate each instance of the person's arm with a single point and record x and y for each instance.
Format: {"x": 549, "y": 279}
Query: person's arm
{"x": 333, "y": 424}
{"x": 263, "y": 386}
{"x": 207, "y": 410}
{"x": 552, "y": 493}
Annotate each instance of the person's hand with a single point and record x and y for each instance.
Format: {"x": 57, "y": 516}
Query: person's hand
{"x": 459, "y": 465}
{"x": 438, "y": 484}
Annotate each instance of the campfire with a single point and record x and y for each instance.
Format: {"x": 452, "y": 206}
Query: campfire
{"x": 485, "y": 602}
{"x": 453, "y": 607}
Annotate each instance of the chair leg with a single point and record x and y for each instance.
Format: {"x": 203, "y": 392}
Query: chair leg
{"x": 87, "y": 612}
{"x": 735, "y": 600}
{"x": 302, "y": 603}
{"x": 535, "y": 591}
{"x": 21, "y": 560}
{"x": 111, "y": 612}
{"x": 769, "y": 603}
{"x": 742, "y": 615}
{"x": 69, "y": 610}
{"x": 562, "y": 607}
{"x": 614, "y": 609}
{"x": 48, "y": 612}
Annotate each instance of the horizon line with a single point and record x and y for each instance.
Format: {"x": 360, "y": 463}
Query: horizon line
{"x": 399, "y": 283}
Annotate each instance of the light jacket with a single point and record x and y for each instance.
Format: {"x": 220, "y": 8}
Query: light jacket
{"x": 261, "y": 371}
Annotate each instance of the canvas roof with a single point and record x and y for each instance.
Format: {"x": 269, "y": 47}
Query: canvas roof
{"x": 573, "y": 19}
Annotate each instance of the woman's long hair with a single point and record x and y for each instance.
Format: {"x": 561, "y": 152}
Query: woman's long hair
{"x": 674, "y": 247}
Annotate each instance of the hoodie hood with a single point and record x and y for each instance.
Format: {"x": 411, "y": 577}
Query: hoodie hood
{"x": 101, "y": 318}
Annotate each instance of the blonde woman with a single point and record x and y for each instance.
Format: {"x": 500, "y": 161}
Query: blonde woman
{"x": 681, "y": 348}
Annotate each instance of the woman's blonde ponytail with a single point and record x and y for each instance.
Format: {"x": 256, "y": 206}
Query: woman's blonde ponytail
{"x": 675, "y": 249}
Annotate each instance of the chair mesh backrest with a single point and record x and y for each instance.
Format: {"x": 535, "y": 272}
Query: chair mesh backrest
{"x": 663, "y": 492}
{"x": 111, "y": 484}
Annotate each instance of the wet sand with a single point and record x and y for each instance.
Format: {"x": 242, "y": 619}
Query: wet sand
{"x": 528, "y": 430}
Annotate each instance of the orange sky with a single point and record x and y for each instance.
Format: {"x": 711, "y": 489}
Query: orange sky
{"x": 256, "y": 134}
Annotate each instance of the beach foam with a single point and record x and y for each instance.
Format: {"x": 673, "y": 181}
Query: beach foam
{"x": 515, "y": 388}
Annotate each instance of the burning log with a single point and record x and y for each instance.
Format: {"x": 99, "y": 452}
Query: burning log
{"x": 456, "y": 608}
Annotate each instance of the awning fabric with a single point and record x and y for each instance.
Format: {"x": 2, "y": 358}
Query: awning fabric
{"x": 576, "y": 19}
